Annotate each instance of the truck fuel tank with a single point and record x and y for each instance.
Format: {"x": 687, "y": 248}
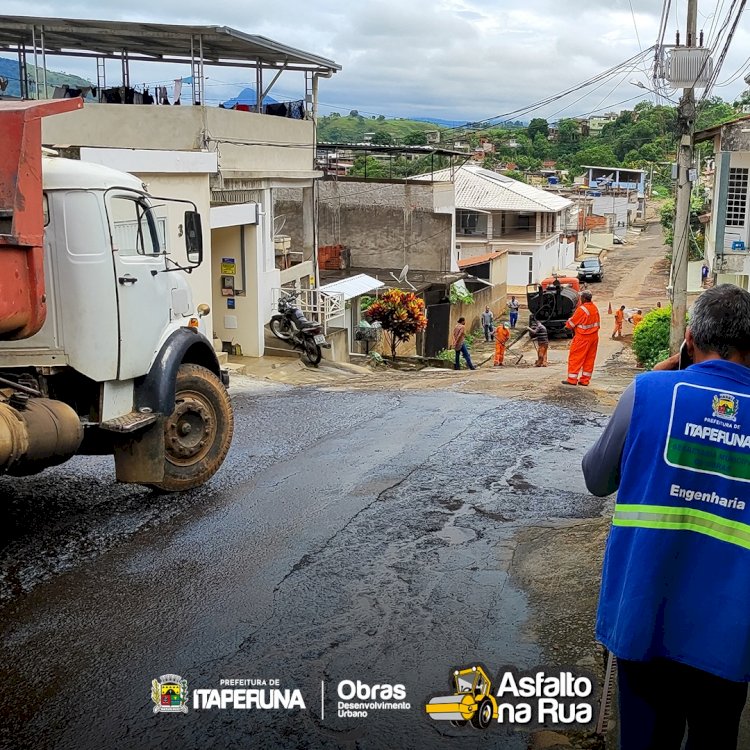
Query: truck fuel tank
{"x": 38, "y": 433}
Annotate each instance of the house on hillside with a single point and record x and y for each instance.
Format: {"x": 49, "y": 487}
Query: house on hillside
{"x": 495, "y": 213}
{"x": 228, "y": 163}
{"x": 727, "y": 224}
{"x": 615, "y": 178}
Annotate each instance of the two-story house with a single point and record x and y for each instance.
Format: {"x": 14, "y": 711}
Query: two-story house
{"x": 495, "y": 213}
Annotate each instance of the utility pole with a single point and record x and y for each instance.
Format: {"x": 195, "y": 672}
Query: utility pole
{"x": 681, "y": 238}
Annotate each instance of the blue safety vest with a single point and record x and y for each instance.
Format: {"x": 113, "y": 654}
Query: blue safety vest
{"x": 676, "y": 579}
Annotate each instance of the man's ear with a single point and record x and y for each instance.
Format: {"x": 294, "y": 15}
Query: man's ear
{"x": 690, "y": 343}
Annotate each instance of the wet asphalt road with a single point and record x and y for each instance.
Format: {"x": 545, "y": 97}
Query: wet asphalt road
{"x": 350, "y": 535}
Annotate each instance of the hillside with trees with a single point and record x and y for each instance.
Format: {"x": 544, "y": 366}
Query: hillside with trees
{"x": 641, "y": 138}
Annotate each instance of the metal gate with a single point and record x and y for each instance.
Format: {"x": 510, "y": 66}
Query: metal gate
{"x": 438, "y": 328}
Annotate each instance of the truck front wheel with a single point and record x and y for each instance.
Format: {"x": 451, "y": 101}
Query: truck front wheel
{"x": 198, "y": 433}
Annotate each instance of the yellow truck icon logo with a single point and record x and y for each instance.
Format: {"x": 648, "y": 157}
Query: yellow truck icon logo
{"x": 471, "y": 702}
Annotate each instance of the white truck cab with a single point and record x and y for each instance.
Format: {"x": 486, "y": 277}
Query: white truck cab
{"x": 121, "y": 359}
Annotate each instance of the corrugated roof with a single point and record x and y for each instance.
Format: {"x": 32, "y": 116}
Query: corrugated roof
{"x": 157, "y": 42}
{"x": 476, "y": 260}
{"x": 480, "y": 189}
{"x": 353, "y": 286}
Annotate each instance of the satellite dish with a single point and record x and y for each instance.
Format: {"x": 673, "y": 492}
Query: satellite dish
{"x": 402, "y": 277}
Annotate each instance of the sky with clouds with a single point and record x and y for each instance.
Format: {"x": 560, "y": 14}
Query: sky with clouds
{"x": 454, "y": 59}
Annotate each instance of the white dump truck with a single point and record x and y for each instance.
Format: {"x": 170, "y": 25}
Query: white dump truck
{"x": 101, "y": 348}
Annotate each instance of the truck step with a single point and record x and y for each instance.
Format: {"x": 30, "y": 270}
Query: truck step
{"x": 129, "y": 422}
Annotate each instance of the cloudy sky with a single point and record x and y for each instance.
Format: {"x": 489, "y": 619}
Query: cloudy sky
{"x": 455, "y": 59}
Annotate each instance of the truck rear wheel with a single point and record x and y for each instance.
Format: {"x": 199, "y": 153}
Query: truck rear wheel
{"x": 198, "y": 433}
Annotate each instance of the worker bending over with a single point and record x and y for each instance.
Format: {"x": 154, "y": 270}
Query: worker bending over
{"x": 502, "y": 334}
{"x": 585, "y": 326}
{"x": 636, "y": 318}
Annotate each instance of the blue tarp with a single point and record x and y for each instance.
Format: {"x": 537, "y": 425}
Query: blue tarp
{"x": 247, "y": 96}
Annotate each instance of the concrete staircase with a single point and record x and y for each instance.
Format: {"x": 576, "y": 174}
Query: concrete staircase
{"x": 276, "y": 348}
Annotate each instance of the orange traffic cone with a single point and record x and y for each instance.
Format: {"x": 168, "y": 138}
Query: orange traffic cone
{"x": 609, "y": 309}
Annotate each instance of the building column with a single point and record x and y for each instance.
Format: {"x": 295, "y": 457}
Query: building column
{"x": 308, "y": 229}
{"x": 538, "y": 226}
{"x": 489, "y": 226}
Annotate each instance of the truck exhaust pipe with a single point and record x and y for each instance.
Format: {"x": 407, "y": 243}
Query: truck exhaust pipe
{"x": 38, "y": 434}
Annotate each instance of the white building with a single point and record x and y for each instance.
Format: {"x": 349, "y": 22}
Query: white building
{"x": 495, "y": 213}
{"x": 727, "y": 224}
{"x": 227, "y": 162}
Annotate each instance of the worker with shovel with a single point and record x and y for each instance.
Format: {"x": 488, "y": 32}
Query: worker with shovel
{"x": 538, "y": 334}
{"x": 502, "y": 334}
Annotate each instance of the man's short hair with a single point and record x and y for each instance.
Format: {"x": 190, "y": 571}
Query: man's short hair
{"x": 462, "y": 320}
{"x": 720, "y": 320}
{"x": 586, "y": 296}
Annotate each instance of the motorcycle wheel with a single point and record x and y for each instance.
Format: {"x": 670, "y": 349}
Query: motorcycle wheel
{"x": 312, "y": 352}
{"x": 280, "y": 328}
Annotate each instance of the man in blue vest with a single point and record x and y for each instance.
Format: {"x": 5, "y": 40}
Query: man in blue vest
{"x": 675, "y": 598}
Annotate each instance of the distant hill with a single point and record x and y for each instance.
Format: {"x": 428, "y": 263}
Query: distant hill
{"x": 352, "y": 128}
{"x": 9, "y": 70}
{"x": 442, "y": 123}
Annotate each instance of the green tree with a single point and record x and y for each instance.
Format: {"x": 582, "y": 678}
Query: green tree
{"x": 596, "y": 156}
{"x": 415, "y": 138}
{"x": 712, "y": 112}
{"x": 538, "y": 126}
{"x": 541, "y": 147}
{"x": 382, "y": 138}
{"x": 651, "y": 337}
{"x": 569, "y": 133}
{"x": 368, "y": 166}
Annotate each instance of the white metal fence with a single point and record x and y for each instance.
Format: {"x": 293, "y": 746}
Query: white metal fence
{"x": 319, "y": 306}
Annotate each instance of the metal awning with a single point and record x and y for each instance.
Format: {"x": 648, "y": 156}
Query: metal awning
{"x": 352, "y": 287}
{"x": 176, "y": 43}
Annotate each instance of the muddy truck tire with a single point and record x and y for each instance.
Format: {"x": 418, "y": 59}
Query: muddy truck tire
{"x": 198, "y": 433}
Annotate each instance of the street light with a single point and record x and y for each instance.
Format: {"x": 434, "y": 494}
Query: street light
{"x": 641, "y": 85}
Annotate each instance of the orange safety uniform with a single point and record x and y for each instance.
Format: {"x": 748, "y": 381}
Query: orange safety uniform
{"x": 619, "y": 317}
{"x": 636, "y": 319}
{"x": 502, "y": 334}
{"x": 585, "y": 323}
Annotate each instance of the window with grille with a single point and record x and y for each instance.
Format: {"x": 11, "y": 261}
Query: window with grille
{"x": 737, "y": 196}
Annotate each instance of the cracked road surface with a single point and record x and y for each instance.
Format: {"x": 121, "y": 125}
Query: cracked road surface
{"x": 350, "y": 535}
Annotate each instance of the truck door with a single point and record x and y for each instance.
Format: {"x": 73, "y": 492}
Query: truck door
{"x": 143, "y": 303}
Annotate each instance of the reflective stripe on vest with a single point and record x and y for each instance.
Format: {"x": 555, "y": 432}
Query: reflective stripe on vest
{"x": 682, "y": 519}
{"x": 588, "y": 325}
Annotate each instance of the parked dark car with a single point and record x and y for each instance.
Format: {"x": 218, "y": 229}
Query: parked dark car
{"x": 591, "y": 269}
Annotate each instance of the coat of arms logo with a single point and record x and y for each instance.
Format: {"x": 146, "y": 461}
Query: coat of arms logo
{"x": 169, "y": 694}
{"x": 725, "y": 406}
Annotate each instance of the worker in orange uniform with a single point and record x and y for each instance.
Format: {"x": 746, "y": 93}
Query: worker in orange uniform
{"x": 619, "y": 317}
{"x": 502, "y": 334}
{"x": 636, "y": 318}
{"x": 585, "y": 324}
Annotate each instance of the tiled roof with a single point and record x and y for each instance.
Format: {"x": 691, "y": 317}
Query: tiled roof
{"x": 480, "y": 189}
{"x": 476, "y": 260}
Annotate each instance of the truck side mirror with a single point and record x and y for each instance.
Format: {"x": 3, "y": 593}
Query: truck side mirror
{"x": 193, "y": 238}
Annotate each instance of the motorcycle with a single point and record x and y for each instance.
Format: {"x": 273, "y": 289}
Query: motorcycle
{"x": 292, "y": 326}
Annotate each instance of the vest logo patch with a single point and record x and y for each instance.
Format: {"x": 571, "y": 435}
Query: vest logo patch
{"x": 725, "y": 406}
{"x": 705, "y": 435}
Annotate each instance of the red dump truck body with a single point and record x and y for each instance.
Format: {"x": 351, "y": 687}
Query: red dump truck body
{"x": 23, "y": 306}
